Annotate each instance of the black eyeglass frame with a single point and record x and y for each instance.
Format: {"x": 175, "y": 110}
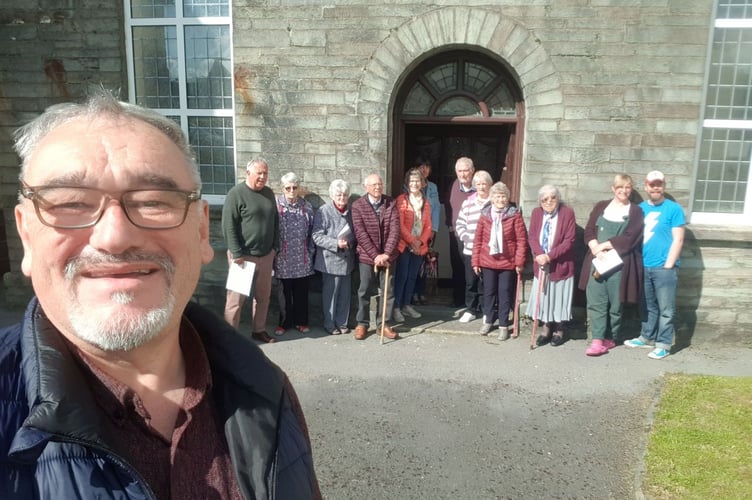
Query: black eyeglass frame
{"x": 31, "y": 193}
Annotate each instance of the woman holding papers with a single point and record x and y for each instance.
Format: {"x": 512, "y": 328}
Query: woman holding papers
{"x": 293, "y": 263}
{"x": 551, "y": 238}
{"x": 416, "y": 231}
{"x": 612, "y": 269}
{"x": 335, "y": 256}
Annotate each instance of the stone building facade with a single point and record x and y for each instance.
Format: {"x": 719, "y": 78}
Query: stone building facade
{"x": 589, "y": 88}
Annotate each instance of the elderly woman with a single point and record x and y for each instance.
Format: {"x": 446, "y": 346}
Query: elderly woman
{"x": 499, "y": 254}
{"x": 415, "y": 233}
{"x": 551, "y": 238}
{"x": 467, "y": 220}
{"x": 293, "y": 263}
{"x": 430, "y": 191}
{"x": 614, "y": 226}
{"x": 334, "y": 238}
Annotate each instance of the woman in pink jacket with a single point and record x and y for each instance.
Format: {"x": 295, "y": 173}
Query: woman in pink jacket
{"x": 415, "y": 233}
{"x": 499, "y": 254}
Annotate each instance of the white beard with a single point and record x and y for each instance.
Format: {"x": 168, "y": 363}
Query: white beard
{"x": 121, "y": 330}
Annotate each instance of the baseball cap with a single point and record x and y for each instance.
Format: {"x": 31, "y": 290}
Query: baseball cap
{"x": 655, "y": 175}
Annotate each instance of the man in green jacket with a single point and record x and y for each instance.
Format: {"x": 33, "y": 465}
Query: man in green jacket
{"x": 250, "y": 224}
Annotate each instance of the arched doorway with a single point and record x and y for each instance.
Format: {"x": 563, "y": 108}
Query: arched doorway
{"x": 459, "y": 103}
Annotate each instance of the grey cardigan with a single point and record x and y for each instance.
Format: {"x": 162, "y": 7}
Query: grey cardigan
{"x": 327, "y": 224}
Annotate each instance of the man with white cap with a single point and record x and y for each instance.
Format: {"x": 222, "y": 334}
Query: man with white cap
{"x": 663, "y": 238}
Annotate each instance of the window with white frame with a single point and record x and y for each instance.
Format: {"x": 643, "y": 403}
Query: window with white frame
{"x": 723, "y": 191}
{"x": 180, "y": 64}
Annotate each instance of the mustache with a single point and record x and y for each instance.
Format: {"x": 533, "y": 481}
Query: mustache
{"x": 93, "y": 257}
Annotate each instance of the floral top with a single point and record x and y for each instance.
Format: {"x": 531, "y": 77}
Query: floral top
{"x": 296, "y": 250}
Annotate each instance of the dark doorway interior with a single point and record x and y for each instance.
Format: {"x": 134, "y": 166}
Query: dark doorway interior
{"x": 487, "y": 145}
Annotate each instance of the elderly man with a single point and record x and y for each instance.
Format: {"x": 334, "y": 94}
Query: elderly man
{"x": 250, "y": 224}
{"x": 115, "y": 385}
{"x": 377, "y": 232}
{"x": 462, "y": 188}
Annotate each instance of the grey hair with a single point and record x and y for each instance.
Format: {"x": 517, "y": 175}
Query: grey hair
{"x": 254, "y": 162}
{"x": 482, "y": 174}
{"x": 548, "y": 189}
{"x": 338, "y": 186}
{"x": 101, "y": 103}
{"x": 464, "y": 160}
{"x": 499, "y": 187}
{"x": 289, "y": 178}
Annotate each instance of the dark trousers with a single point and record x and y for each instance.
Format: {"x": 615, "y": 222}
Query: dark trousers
{"x": 458, "y": 270}
{"x": 498, "y": 286}
{"x": 293, "y": 310}
{"x": 472, "y": 285}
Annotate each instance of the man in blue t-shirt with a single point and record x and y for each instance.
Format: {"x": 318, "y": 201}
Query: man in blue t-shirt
{"x": 662, "y": 243}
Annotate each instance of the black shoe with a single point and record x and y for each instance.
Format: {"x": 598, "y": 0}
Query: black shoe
{"x": 542, "y": 340}
{"x": 557, "y": 339}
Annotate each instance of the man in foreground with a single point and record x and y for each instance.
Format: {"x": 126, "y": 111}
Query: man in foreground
{"x": 663, "y": 239}
{"x": 114, "y": 385}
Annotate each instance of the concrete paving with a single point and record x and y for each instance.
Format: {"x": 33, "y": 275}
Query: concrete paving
{"x": 445, "y": 413}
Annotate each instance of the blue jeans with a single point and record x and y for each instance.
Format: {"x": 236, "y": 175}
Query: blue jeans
{"x": 658, "y": 306}
{"x": 408, "y": 267}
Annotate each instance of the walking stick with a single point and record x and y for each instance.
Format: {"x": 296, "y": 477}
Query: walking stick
{"x": 541, "y": 278}
{"x": 385, "y": 292}
{"x": 516, "y": 324}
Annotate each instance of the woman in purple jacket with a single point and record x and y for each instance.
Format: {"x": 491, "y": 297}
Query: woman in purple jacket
{"x": 551, "y": 238}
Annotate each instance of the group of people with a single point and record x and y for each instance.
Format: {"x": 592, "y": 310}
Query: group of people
{"x": 633, "y": 252}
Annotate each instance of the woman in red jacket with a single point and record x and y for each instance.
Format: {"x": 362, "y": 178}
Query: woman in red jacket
{"x": 415, "y": 233}
{"x": 498, "y": 253}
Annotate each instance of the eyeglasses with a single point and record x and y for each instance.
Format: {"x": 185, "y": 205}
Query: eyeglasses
{"x": 655, "y": 183}
{"x": 291, "y": 188}
{"x": 69, "y": 207}
{"x": 548, "y": 199}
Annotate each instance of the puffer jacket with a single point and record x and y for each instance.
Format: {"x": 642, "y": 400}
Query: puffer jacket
{"x": 52, "y": 443}
{"x": 514, "y": 235}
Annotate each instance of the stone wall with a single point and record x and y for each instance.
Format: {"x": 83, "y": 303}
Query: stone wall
{"x": 51, "y": 52}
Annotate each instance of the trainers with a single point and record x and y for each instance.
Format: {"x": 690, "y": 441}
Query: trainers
{"x": 503, "y": 333}
{"x": 485, "y": 328}
{"x": 410, "y": 311}
{"x": 397, "y": 315}
{"x": 609, "y": 344}
{"x": 279, "y": 331}
{"x": 467, "y": 317}
{"x": 596, "y": 348}
{"x": 638, "y": 342}
{"x": 658, "y": 353}
{"x": 303, "y": 328}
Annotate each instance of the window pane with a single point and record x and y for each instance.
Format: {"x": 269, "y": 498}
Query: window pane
{"x": 723, "y": 171}
{"x": 212, "y": 139}
{"x": 501, "y": 102}
{"x": 418, "y": 101}
{"x": 734, "y": 9}
{"x": 477, "y": 78}
{"x": 155, "y": 66}
{"x": 458, "y": 106}
{"x": 206, "y": 8}
{"x": 730, "y": 76}
{"x": 207, "y": 65}
{"x": 152, "y": 8}
{"x": 443, "y": 78}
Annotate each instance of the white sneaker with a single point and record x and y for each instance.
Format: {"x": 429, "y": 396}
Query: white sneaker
{"x": 410, "y": 311}
{"x": 503, "y": 333}
{"x": 397, "y": 315}
{"x": 467, "y": 317}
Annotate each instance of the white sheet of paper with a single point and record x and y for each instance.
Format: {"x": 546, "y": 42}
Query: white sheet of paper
{"x": 240, "y": 277}
{"x": 608, "y": 262}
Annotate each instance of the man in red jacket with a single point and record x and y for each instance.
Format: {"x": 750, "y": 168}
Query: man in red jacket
{"x": 377, "y": 232}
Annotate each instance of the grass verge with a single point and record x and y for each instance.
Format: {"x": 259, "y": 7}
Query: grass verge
{"x": 700, "y": 445}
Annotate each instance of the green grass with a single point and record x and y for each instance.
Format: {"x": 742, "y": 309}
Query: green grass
{"x": 700, "y": 446}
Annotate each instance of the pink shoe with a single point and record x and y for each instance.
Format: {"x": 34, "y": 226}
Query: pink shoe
{"x": 596, "y": 348}
{"x": 609, "y": 344}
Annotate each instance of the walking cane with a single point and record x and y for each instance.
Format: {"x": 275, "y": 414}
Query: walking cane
{"x": 541, "y": 278}
{"x": 516, "y": 324}
{"x": 385, "y": 292}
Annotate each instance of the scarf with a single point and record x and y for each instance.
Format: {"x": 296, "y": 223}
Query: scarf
{"x": 496, "y": 240}
{"x": 546, "y": 236}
